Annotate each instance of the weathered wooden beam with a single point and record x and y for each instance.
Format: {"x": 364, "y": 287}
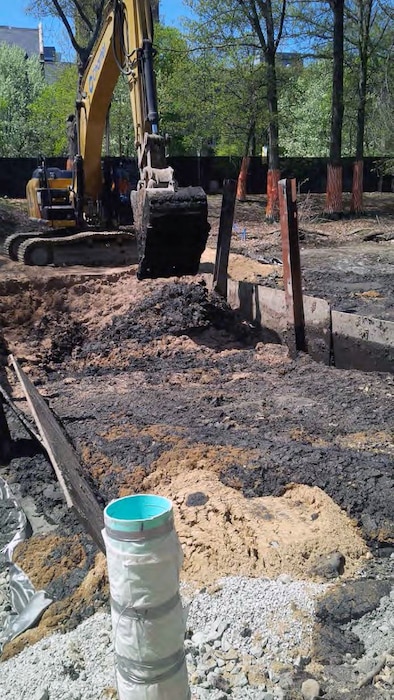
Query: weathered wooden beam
{"x": 5, "y": 436}
{"x": 224, "y": 237}
{"x": 6, "y": 399}
{"x": 291, "y": 260}
{"x": 77, "y": 492}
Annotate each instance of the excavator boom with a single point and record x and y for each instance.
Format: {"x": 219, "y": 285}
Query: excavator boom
{"x": 170, "y": 223}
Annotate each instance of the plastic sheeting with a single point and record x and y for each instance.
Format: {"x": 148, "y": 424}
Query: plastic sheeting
{"x": 147, "y": 615}
{"x": 27, "y": 605}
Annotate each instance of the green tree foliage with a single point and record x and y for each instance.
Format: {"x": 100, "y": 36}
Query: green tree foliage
{"x": 207, "y": 102}
{"x": 21, "y": 81}
{"x": 305, "y": 114}
{"x": 121, "y": 130}
{"x": 368, "y": 68}
{"x": 212, "y": 86}
{"x": 254, "y": 29}
{"x": 49, "y": 111}
{"x": 186, "y": 86}
{"x": 241, "y": 107}
{"x": 379, "y": 135}
{"x": 370, "y": 40}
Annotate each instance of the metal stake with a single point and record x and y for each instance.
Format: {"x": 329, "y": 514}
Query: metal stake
{"x": 291, "y": 260}
{"x": 224, "y": 237}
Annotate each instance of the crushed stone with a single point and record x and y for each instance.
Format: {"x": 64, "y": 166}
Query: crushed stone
{"x": 253, "y": 623}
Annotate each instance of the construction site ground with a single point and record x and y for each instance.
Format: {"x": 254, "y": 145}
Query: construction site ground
{"x": 272, "y": 463}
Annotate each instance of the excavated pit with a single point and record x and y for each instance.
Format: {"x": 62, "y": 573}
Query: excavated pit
{"x": 162, "y": 388}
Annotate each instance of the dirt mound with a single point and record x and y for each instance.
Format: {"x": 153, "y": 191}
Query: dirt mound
{"x": 338, "y": 472}
{"x": 224, "y": 534}
{"x": 173, "y": 310}
{"x": 102, "y": 319}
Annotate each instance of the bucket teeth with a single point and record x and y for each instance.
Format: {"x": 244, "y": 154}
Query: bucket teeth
{"x": 172, "y": 230}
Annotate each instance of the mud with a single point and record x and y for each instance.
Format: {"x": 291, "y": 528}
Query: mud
{"x": 332, "y": 644}
{"x": 356, "y": 278}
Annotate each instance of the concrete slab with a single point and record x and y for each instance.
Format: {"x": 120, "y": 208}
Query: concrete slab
{"x": 317, "y": 313}
{"x": 356, "y": 342}
{"x": 267, "y": 307}
{"x": 362, "y": 343}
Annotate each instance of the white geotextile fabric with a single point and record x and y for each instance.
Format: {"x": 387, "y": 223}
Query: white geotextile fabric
{"x": 174, "y": 688}
{"x": 145, "y": 574}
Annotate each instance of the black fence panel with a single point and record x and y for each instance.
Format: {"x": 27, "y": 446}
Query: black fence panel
{"x": 15, "y": 173}
{"x": 209, "y": 172}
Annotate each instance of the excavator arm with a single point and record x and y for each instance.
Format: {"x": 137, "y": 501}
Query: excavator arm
{"x": 124, "y": 45}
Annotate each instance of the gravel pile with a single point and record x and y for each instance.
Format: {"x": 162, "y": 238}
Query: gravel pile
{"x": 245, "y": 639}
{"x": 248, "y": 636}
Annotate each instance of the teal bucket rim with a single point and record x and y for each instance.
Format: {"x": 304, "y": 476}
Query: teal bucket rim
{"x": 163, "y": 515}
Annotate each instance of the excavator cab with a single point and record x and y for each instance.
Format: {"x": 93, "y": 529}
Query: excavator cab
{"x": 48, "y": 197}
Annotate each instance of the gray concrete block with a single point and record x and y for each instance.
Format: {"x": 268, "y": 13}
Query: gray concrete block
{"x": 362, "y": 343}
{"x": 317, "y": 314}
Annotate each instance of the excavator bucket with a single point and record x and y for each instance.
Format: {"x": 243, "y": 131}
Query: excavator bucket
{"x": 172, "y": 230}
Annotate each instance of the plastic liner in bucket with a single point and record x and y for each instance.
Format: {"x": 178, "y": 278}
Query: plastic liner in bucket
{"x": 144, "y": 561}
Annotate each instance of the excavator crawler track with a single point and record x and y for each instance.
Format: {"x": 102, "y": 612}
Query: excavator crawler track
{"x": 172, "y": 230}
{"x": 12, "y": 243}
{"x": 91, "y": 249}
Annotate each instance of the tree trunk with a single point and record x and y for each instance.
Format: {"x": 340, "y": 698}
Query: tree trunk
{"x": 364, "y": 20}
{"x": 272, "y": 210}
{"x": 243, "y": 173}
{"x": 242, "y": 179}
{"x": 260, "y": 15}
{"x": 273, "y": 177}
{"x": 356, "y": 206}
{"x": 334, "y": 204}
{"x": 334, "y": 190}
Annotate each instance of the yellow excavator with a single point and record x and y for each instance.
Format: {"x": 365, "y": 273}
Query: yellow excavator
{"x": 170, "y": 223}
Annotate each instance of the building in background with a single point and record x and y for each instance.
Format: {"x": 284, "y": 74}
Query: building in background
{"x": 32, "y": 43}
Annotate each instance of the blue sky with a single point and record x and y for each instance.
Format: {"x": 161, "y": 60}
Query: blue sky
{"x": 13, "y": 14}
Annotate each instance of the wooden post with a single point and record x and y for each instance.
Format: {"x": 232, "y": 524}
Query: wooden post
{"x": 224, "y": 237}
{"x": 76, "y": 489}
{"x": 291, "y": 260}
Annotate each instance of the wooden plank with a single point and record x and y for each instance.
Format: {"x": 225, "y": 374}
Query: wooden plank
{"x": 224, "y": 237}
{"x": 6, "y": 399}
{"x": 291, "y": 260}
{"x": 78, "y": 494}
